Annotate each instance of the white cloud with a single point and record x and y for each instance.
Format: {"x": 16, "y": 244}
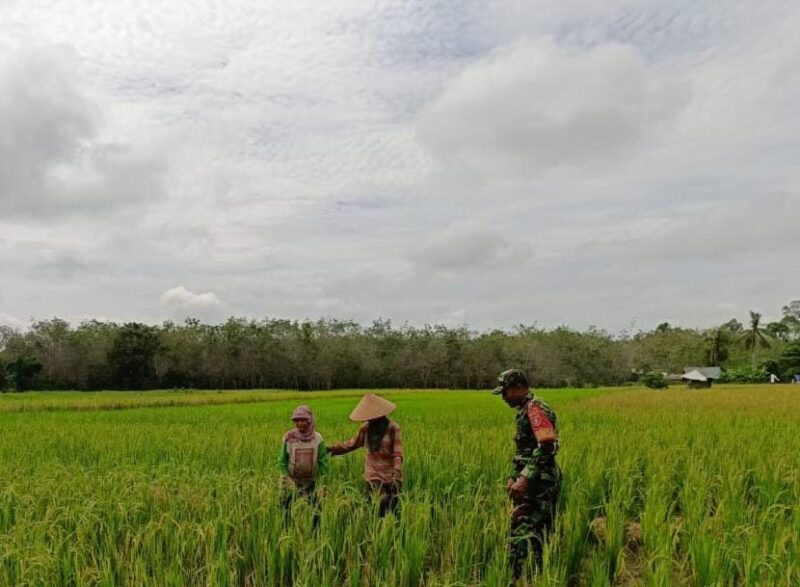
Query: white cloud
{"x": 12, "y": 321}
{"x": 53, "y": 160}
{"x": 533, "y": 106}
{"x": 180, "y": 303}
{"x": 408, "y": 161}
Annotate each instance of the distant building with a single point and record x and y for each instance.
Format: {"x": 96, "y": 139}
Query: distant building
{"x": 712, "y": 373}
{"x": 700, "y": 377}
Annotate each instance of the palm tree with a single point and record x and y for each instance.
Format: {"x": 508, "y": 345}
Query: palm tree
{"x": 754, "y": 336}
{"x": 717, "y": 341}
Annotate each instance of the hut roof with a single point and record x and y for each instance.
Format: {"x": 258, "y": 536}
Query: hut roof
{"x": 707, "y": 372}
{"x": 694, "y": 376}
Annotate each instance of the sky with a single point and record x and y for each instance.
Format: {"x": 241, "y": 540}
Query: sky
{"x": 615, "y": 164}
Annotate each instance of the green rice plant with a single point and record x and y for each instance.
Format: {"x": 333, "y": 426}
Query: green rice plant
{"x": 181, "y": 488}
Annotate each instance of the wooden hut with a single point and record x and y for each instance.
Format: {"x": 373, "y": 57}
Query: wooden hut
{"x": 700, "y": 377}
{"x": 696, "y": 380}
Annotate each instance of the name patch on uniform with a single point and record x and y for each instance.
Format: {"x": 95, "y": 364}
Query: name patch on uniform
{"x": 543, "y": 428}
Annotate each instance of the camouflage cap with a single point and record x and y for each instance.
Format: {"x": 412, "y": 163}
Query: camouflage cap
{"x": 510, "y": 378}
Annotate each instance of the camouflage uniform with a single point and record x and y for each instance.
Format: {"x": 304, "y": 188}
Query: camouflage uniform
{"x": 533, "y": 513}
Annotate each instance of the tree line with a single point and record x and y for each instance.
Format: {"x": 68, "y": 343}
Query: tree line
{"x": 327, "y": 354}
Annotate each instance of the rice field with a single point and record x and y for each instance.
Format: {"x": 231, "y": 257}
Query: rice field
{"x": 181, "y": 488}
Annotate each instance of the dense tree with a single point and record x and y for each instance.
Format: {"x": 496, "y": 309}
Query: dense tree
{"x": 734, "y": 326}
{"x": 717, "y": 342}
{"x": 22, "y": 372}
{"x": 791, "y": 319}
{"x": 792, "y": 310}
{"x": 132, "y": 354}
{"x": 779, "y": 330}
{"x": 4, "y": 379}
{"x": 790, "y": 359}
{"x": 326, "y": 354}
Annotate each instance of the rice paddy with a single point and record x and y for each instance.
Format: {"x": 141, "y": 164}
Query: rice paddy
{"x": 181, "y": 488}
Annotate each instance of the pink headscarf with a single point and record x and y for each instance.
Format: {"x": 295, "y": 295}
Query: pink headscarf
{"x": 294, "y": 433}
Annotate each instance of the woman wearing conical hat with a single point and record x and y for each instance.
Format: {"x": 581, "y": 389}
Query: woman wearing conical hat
{"x": 383, "y": 465}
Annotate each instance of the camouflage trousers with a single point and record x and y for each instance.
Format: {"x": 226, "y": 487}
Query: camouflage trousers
{"x": 532, "y": 519}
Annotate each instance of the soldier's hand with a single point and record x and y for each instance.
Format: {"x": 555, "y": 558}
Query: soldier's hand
{"x": 518, "y": 488}
{"x": 509, "y": 483}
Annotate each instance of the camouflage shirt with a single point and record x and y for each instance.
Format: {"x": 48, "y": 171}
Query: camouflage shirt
{"x": 533, "y": 457}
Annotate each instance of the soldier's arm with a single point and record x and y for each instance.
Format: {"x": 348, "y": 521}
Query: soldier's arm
{"x": 543, "y": 422}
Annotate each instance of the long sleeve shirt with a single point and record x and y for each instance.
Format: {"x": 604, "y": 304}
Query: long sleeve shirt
{"x": 303, "y": 461}
{"x": 536, "y": 440}
{"x": 383, "y": 466}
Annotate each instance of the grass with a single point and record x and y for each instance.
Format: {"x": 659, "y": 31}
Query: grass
{"x": 187, "y": 494}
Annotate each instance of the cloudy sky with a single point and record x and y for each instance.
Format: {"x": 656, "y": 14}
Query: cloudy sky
{"x": 581, "y": 162}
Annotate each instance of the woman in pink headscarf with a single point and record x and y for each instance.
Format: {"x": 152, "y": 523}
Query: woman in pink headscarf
{"x": 303, "y": 458}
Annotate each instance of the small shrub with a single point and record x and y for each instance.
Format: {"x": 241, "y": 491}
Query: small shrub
{"x": 653, "y": 380}
{"x": 744, "y": 375}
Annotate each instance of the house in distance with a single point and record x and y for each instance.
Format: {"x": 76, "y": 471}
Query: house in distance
{"x": 700, "y": 377}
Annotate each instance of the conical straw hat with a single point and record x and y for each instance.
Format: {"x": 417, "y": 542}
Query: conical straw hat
{"x": 370, "y": 407}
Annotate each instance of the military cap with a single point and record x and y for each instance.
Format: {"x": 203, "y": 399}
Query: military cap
{"x": 510, "y": 378}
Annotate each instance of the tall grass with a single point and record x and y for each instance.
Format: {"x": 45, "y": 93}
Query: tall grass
{"x": 189, "y": 496}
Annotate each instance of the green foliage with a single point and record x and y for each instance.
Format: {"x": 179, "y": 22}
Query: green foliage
{"x": 654, "y": 380}
{"x": 733, "y": 326}
{"x": 779, "y": 330}
{"x": 669, "y": 350}
{"x": 22, "y": 372}
{"x": 132, "y": 354}
{"x": 790, "y": 359}
{"x": 718, "y": 341}
{"x": 95, "y": 495}
{"x": 744, "y": 375}
{"x": 792, "y": 310}
{"x": 336, "y": 354}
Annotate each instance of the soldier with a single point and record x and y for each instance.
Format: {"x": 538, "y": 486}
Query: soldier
{"x": 535, "y": 482}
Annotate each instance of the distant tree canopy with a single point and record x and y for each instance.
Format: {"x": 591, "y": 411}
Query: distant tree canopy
{"x": 131, "y": 360}
{"x": 22, "y": 371}
{"x": 327, "y": 354}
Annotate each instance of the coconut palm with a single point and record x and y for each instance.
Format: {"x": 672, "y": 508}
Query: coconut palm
{"x": 717, "y": 342}
{"x": 754, "y": 336}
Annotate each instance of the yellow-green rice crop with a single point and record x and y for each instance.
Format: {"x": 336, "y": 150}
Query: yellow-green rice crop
{"x": 188, "y": 494}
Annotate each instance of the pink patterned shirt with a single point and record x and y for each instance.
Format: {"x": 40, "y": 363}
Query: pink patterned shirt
{"x": 383, "y": 466}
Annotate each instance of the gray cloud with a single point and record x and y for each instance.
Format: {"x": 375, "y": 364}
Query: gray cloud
{"x": 469, "y": 246}
{"x": 727, "y": 231}
{"x": 66, "y": 266}
{"x": 53, "y": 161}
{"x": 534, "y": 106}
{"x": 611, "y": 160}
